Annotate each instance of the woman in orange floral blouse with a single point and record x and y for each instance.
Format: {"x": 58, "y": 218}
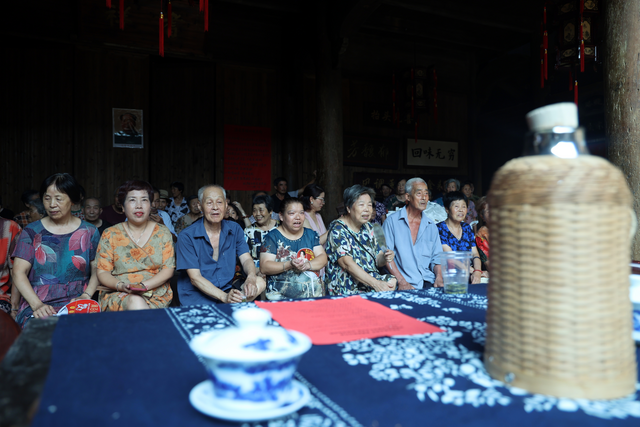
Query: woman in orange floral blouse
{"x": 135, "y": 258}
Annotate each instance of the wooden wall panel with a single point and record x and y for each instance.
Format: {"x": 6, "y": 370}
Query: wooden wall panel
{"x": 182, "y": 136}
{"x": 37, "y": 119}
{"x": 104, "y": 80}
{"x": 249, "y": 97}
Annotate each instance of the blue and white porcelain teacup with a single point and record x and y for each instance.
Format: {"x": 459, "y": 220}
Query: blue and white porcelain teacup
{"x": 251, "y": 366}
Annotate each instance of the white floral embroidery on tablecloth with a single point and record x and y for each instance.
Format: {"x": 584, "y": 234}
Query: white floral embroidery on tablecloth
{"x": 469, "y": 300}
{"x": 433, "y": 364}
{"x": 415, "y": 297}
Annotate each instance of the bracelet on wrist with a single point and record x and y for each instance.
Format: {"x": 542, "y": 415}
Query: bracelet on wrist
{"x": 477, "y": 270}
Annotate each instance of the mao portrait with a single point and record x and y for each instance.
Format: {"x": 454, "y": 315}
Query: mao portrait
{"x": 127, "y": 128}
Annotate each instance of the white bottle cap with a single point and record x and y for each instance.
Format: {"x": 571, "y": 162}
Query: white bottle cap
{"x": 546, "y": 118}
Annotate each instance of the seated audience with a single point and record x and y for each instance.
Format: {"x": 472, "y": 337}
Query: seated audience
{"x": 159, "y": 216}
{"x": 449, "y": 186}
{"x": 5, "y": 213}
{"x": 313, "y": 200}
{"x": 52, "y": 258}
{"x": 92, "y": 210}
{"x": 292, "y": 256}
{"x": 236, "y": 214}
{"x": 381, "y": 213}
{"x": 455, "y": 234}
{"x": 275, "y": 215}
{"x": 354, "y": 253}
{"x": 9, "y": 296}
{"x": 164, "y": 200}
{"x": 385, "y": 194}
{"x": 482, "y": 235}
{"x": 37, "y": 211}
{"x": 281, "y": 187}
{"x": 178, "y": 206}
{"x": 114, "y": 214}
{"x": 254, "y": 235}
{"x": 472, "y": 215}
{"x": 194, "y": 214}
{"x": 398, "y": 200}
{"x": 206, "y": 256}
{"x": 468, "y": 189}
{"x": 27, "y": 197}
{"x": 76, "y": 209}
{"x": 135, "y": 258}
{"x": 415, "y": 240}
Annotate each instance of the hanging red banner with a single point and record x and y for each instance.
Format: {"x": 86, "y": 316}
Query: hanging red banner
{"x": 247, "y": 158}
{"x": 121, "y": 13}
{"x": 169, "y": 21}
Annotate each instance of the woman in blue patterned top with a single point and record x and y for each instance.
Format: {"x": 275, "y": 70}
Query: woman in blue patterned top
{"x": 52, "y": 257}
{"x": 455, "y": 234}
{"x": 354, "y": 253}
{"x": 291, "y": 256}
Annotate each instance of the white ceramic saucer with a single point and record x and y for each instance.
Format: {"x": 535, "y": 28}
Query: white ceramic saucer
{"x": 203, "y": 399}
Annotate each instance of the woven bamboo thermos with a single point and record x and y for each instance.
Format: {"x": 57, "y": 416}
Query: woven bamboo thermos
{"x": 559, "y": 317}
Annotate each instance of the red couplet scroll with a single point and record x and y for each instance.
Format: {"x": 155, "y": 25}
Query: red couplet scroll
{"x": 329, "y": 321}
{"x": 247, "y": 158}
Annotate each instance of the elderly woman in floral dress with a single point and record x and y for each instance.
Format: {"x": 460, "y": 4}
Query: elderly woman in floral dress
{"x": 354, "y": 253}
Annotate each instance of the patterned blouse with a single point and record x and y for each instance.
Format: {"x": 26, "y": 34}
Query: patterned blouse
{"x": 175, "y": 212}
{"x": 130, "y": 263}
{"x": 60, "y": 264}
{"x": 362, "y": 247}
{"x": 254, "y": 236}
{"x": 290, "y": 284}
{"x": 380, "y": 211}
{"x": 466, "y": 242}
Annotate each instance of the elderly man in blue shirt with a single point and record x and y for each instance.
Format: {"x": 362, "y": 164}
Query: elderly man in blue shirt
{"x": 206, "y": 256}
{"x": 415, "y": 240}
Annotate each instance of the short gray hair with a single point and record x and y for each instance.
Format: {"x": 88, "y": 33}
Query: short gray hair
{"x": 447, "y": 182}
{"x": 204, "y": 188}
{"x": 353, "y": 193}
{"x": 409, "y": 185}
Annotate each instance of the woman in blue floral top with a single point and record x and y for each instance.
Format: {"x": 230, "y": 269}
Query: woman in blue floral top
{"x": 291, "y": 256}
{"x": 354, "y": 253}
{"x": 457, "y": 235}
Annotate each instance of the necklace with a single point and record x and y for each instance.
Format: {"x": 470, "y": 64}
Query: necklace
{"x": 141, "y": 234}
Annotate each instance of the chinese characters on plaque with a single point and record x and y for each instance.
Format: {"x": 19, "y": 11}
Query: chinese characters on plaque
{"x": 432, "y": 153}
{"x": 368, "y": 151}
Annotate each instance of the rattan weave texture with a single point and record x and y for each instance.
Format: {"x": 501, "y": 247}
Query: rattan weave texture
{"x": 559, "y": 316}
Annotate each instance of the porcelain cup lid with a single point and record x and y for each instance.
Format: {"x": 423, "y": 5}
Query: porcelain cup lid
{"x": 251, "y": 341}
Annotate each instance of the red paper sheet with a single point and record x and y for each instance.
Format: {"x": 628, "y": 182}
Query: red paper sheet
{"x": 347, "y": 319}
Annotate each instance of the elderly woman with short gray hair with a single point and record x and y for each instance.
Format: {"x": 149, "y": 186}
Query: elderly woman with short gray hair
{"x": 449, "y": 186}
{"x": 354, "y": 253}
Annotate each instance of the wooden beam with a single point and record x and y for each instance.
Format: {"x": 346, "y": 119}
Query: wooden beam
{"x": 356, "y": 16}
{"x": 466, "y": 15}
{"x": 433, "y": 38}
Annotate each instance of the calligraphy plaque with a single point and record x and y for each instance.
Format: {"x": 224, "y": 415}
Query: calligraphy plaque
{"x": 432, "y": 153}
{"x": 370, "y": 151}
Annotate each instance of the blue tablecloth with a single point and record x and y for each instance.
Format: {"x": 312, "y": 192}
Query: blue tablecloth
{"x": 136, "y": 368}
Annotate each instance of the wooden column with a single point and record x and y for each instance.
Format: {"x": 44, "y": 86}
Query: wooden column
{"x": 622, "y": 95}
{"x": 329, "y": 116}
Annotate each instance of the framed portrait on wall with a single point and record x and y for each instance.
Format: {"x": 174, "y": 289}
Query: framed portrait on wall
{"x": 127, "y": 128}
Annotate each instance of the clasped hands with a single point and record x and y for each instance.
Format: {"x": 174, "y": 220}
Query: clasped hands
{"x": 301, "y": 264}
